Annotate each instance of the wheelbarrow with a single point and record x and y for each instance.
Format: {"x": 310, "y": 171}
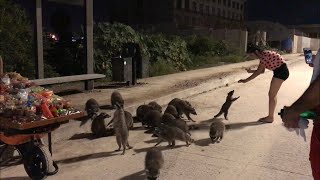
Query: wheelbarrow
{"x": 27, "y": 139}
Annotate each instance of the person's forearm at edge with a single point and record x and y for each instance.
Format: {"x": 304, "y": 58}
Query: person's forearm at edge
{"x": 309, "y": 99}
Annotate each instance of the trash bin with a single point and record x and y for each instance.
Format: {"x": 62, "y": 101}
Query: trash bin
{"x": 140, "y": 63}
{"x": 122, "y": 69}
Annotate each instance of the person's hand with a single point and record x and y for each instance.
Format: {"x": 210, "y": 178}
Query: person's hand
{"x": 248, "y": 70}
{"x": 290, "y": 118}
{"x": 242, "y": 81}
{"x": 311, "y": 65}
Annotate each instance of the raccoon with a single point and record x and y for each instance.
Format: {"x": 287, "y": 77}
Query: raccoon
{"x": 129, "y": 120}
{"x": 121, "y": 129}
{"x": 116, "y": 98}
{"x": 155, "y": 106}
{"x": 92, "y": 107}
{"x": 168, "y": 119}
{"x": 152, "y": 119}
{"x": 172, "y": 110}
{"x": 153, "y": 163}
{"x": 225, "y": 107}
{"x": 142, "y": 111}
{"x": 98, "y": 126}
{"x": 170, "y": 134}
{"x": 183, "y": 107}
{"x": 217, "y": 129}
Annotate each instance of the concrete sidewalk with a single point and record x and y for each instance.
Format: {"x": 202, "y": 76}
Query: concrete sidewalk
{"x": 162, "y": 89}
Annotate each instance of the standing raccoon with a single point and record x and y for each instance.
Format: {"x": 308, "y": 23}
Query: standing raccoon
{"x": 183, "y": 107}
{"x": 92, "y": 107}
{"x": 170, "y": 134}
{"x": 129, "y": 120}
{"x": 226, "y": 106}
{"x": 153, "y": 163}
{"x": 172, "y": 110}
{"x": 217, "y": 129}
{"x": 155, "y": 106}
{"x": 116, "y": 98}
{"x": 98, "y": 126}
{"x": 121, "y": 129}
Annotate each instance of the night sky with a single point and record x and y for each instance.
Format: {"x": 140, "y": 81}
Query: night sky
{"x": 289, "y": 12}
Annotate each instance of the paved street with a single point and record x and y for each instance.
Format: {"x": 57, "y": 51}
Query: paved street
{"x": 248, "y": 150}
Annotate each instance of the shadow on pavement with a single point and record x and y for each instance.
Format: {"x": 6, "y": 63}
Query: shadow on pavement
{"x": 107, "y": 107}
{"x": 90, "y": 136}
{"x": 161, "y": 148}
{"x": 15, "y": 178}
{"x": 88, "y": 157}
{"x": 241, "y": 125}
{"x": 136, "y": 176}
{"x": 203, "y": 142}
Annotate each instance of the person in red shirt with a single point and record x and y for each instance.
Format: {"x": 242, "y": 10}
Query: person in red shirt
{"x": 274, "y": 62}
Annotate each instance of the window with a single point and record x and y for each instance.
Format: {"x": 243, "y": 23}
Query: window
{"x": 213, "y": 1}
{"x": 213, "y": 10}
{"x": 219, "y": 12}
{"x": 237, "y": 5}
{"x": 229, "y": 3}
{"x": 193, "y": 21}
{"x": 179, "y": 4}
{"x": 229, "y": 14}
{"x": 223, "y": 13}
{"x": 219, "y": 1}
{"x": 194, "y": 6}
{"x": 233, "y": 16}
{"x": 207, "y": 9}
{"x": 201, "y": 8}
{"x": 224, "y": 2}
{"x": 241, "y": 7}
{"x": 186, "y": 20}
{"x": 233, "y": 4}
{"x": 187, "y": 4}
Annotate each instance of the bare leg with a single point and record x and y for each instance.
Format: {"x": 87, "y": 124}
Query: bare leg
{"x": 273, "y": 91}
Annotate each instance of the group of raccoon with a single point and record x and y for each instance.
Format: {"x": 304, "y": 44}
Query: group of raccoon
{"x": 168, "y": 126}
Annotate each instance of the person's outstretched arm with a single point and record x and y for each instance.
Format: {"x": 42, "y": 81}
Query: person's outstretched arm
{"x": 260, "y": 70}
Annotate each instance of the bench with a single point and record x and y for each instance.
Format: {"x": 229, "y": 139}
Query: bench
{"x": 88, "y": 78}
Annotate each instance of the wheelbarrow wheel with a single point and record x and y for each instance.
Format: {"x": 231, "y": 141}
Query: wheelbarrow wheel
{"x": 38, "y": 164}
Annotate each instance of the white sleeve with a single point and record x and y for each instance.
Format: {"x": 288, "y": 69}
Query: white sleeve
{"x": 316, "y": 66}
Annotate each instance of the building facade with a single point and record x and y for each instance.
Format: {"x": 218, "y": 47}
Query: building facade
{"x": 179, "y": 14}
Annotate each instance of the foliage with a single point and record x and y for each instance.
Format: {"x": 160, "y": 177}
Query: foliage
{"x": 108, "y": 42}
{"x": 203, "y": 45}
{"x": 162, "y": 67}
{"x": 16, "y": 39}
{"x": 172, "y": 49}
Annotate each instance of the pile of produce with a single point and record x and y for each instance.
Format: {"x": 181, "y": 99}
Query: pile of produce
{"x": 23, "y": 101}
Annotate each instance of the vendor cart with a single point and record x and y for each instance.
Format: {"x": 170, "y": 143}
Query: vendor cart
{"x": 27, "y": 139}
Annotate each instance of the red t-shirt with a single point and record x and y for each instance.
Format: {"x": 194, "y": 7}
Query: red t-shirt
{"x": 271, "y": 60}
